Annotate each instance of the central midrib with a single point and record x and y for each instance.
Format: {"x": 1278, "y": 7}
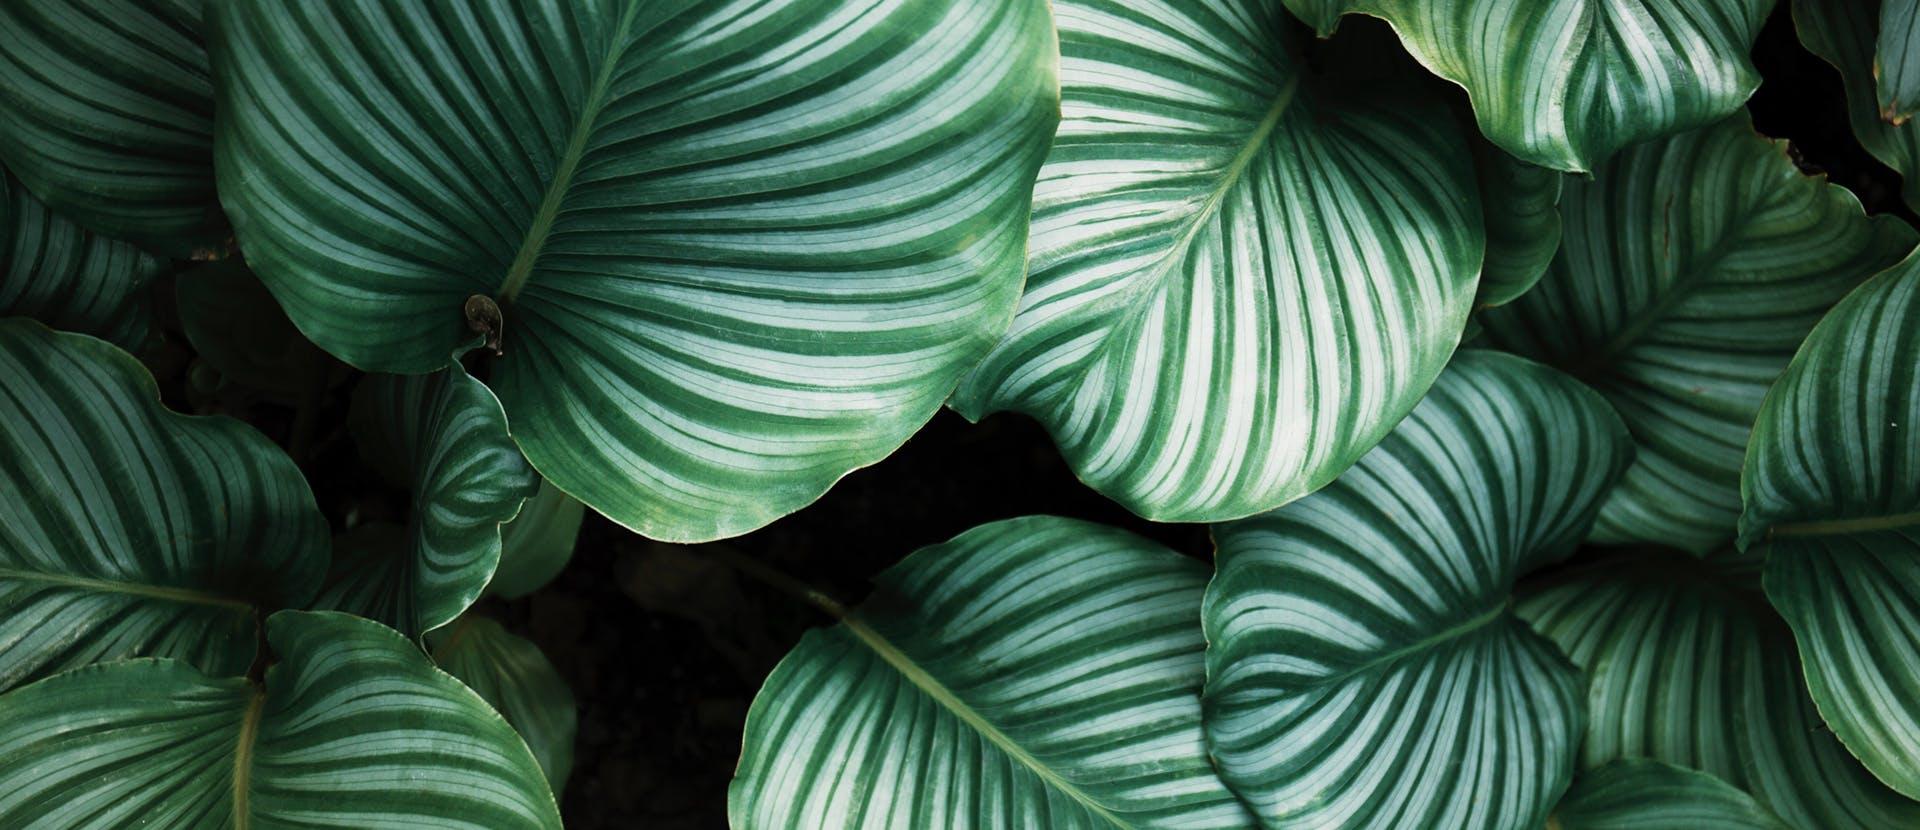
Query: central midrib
{"x": 1450, "y": 633}
{"x": 181, "y": 595}
{"x": 1841, "y": 527}
{"x": 243, "y": 758}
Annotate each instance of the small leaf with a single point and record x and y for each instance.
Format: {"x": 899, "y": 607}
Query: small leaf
{"x": 1649, "y": 795}
{"x": 237, "y": 328}
{"x": 1843, "y": 32}
{"x": 1898, "y": 59}
{"x": 536, "y": 545}
{"x": 54, "y": 271}
{"x": 1519, "y": 203}
{"x": 513, "y": 677}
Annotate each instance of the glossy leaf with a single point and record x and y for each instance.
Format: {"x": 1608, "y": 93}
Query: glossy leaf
{"x": 1843, "y": 32}
{"x": 739, "y": 249}
{"x": 536, "y": 545}
{"x": 1242, "y": 274}
{"x": 1692, "y": 268}
{"x": 237, "y": 328}
{"x": 1689, "y": 666}
{"x": 1520, "y": 205}
{"x": 444, "y": 436}
{"x": 352, "y": 728}
{"x": 129, "y": 530}
{"x": 106, "y": 112}
{"x": 1364, "y": 665}
{"x": 513, "y": 677}
{"x": 1896, "y": 61}
{"x": 1649, "y": 795}
{"x": 1565, "y": 83}
{"x": 1036, "y": 672}
{"x": 54, "y": 271}
{"x": 1832, "y": 489}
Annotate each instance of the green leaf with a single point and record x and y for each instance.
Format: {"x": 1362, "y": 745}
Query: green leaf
{"x": 1897, "y": 60}
{"x": 1649, "y": 795}
{"x": 238, "y": 329}
{"x": 352, "y": 728}
{"x": 1519, "y": 204}
{"x": 536, "y": 545}
{"x": 130, "y": 530}
{"x": 1242, "y": 274}
{"x": 445, "y": 437}
{"x": 1843, "y": 32}
{"x": 1364, "y": 665}
{"x": 1565, "y": 83}
{"x": 60, "y": 274}
{"x": 1035, "y": 672}
{"x": 106, "y": 112}
{"x": 1692, "y": 268}
{"x": 513, "y": 677}
{"x": 1689, "y": 666}
{"x": 739, "y": 250}
{"x": 1832, "y": 488}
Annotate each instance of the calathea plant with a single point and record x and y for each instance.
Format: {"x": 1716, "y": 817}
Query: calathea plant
{"x": 1486, "y": 419}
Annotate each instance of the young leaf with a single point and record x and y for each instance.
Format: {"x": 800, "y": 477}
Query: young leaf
{"x": 67, "y": 277}
{"x": 1243, "y": 274}
{"x": 1036, "y": 672}
{"x": 536, "y": 545}
{"x": 1692, "y": 268}
{"x": 130, "y": 530}
{"x": 1364, "y": 664}
{"x": 513, "y": 677}
{"x": 1832, "y": 490}
{"x": 736, "y": 250}
{"x": 352, "y": 728}
{"x": 1843, "y": 33}
{"x": 1649, "y": 795}
{"x": 1520, "y": 206}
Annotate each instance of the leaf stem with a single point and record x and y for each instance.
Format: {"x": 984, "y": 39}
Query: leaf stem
{"x": 787, "y": 584}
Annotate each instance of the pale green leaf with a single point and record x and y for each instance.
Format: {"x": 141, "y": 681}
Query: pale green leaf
{"x": 67, "y": 277}
{"x": 1649, "y": 795}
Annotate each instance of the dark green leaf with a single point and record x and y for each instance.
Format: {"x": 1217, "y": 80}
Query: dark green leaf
{"x": 60, "y": 274}
{"x": 1844, "y": 33}
{"x": 536, "y": 545}
{"x": 1649, "y": 795}
{"x": 238, "y": 329}
{"x": 513, "y": 677}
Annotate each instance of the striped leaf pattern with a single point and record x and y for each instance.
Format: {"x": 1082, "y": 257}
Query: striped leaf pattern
{"x": 536, "y": 545}
{"x": 1241, "y": 275}
{"x": 1566, "y": 83}
{"x": 1649, "y": 795}
{"x": 1896, "y": 60}
{"x": 130, "y": 530}
{"x": 106, "y": 112}
{"x": 1035, "y": 672}
{"x": 1844, "y": 33}
{"x": 1692, "y": 269}
{"x": 445, "y": 436}
{"x": 1832, "y": 490}
{"x": 740, "y": 248}
{"x": 352, "y": 728}
{"x": 513, "y": 677}
{"x": 1364, "y": 665}
{"x": 1520, "y": 206}
{"x": 54, "y": 271}
{"x": 1689, "y": 666}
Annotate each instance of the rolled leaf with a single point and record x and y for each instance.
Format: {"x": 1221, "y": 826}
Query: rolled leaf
{"x": 513, "y": 677}
{"x": 1649, "y": 795}
{"x": 57, "y": 272}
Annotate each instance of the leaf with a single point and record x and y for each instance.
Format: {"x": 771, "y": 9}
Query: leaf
{"x": 106, "y": 112}
{"x": 1035, "y": 672}
{"x": 237, "y": 328}
{"x": 1565, "y": 83}
{"x": 66, "y": 277}
{"x": 1242, "y": 275}
{"x": 1843, "y": 33}
{"x": 445, "y": 437}
{"x": 1692, "y": 268}
{"x": 129, "y": 530}
{"x": 536, "y": 545}
{"x": 1832, "y": 490}
{"x": 1649, "y": 795}
{"x": 1897, "y": 60}
{"x": 738, "y": 249}
{"x": 1690, "y": 667}
{"x": 513, "y": 677}
{"x": 352, "y": 728}
{"x": 1364, "y": 665}
{"x": 1520, "y": 207}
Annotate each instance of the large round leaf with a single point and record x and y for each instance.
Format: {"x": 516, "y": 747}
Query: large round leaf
{"x": 1689, "y": 666}
{"x": 738, "y": 248}
{"x": 513, "y": 677}
{"x": 1565, "y": 83}
{"x": 1364, "y": 665}
{"x": 1242, "y": 274}
{"x": 1692, "y": 268}
{"x": 1036, "y": 672}
{"x": 60, "y": 274}
{"x": 1844, "y": 33}
{"x": 351, "y": 728}
{"x": 126, "y": 529}
{"x": 1832, "y": 486}
{"x": 106, "y": 112}
{"x": 1649, "y": 795}
{"x": 445, "y": 437}
{"x": 1896, "y": 60}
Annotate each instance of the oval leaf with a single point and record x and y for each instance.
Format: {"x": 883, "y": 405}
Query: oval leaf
{"x": 1036, "y": 672}
{"x": 1649, "y": 795}
{"x": 737, "y": 250}
{"x": 352, "y": 728}
{"x": 513, "y": 677}
{"x": 1242, "y": 275}
{"x": 1843, "y": 32}
{"x": 1692, "y": 268}
{"x": 130, "y": 530}
{"x": 67, "y": 277}
{"x": 1364, "y": 666}
{"x": 536, "y": 545}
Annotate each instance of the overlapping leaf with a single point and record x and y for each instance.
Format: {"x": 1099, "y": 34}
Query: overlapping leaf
{"x": 1520, "y": 205}
{"x": 536, "y": 545}
{"x": 130, "y": 530}
{"x": 237, "y": 328}
{"x": 1844, "y": 32}
{"x": 513, "y": 677}
{"x": 1036, "y": 672}
{"x": 351, "y": 728}
{"x": 739, "y": 249}
{"x": 60, "y": 274}
{"x": 1896, "y": 60}
{"x": 1364, "y": 664}
{"x": 1242, "y": 273}
{"x": 1692, "y": 268}
{"x": 1649, "y": 795}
